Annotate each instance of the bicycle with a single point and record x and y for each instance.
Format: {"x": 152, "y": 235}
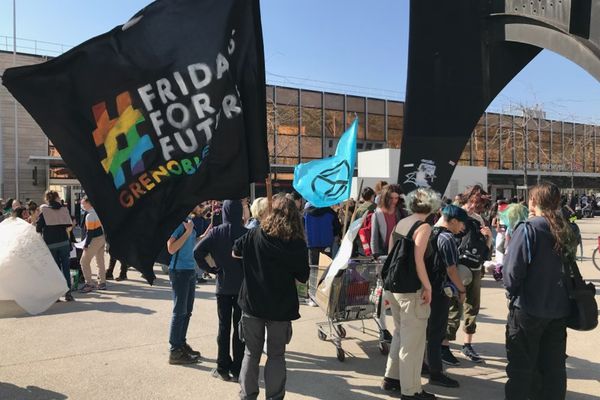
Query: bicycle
{"x": 596, "y": 255}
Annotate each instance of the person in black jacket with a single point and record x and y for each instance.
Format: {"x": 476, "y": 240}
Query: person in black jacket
{"x": 274, "y": 257}
{"x": 536, "y": 336}
{"x": 218, "y": 243}
{"x": 52, "y": 223}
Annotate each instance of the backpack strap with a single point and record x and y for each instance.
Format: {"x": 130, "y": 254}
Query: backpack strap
{"x": 412, "y": 230}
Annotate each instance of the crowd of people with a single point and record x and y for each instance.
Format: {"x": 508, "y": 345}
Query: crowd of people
{"x": 259, "y": 251}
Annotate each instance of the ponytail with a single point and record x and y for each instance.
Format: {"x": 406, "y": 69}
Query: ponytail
{"x": 547, "y": 197}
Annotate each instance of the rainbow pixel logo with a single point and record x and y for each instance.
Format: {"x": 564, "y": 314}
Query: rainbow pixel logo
{"x": 118, "y": 140}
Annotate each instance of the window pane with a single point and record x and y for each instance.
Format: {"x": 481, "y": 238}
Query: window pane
{"x": 355, "y": 104}
{"x": 395, "y": 129}
{"x": 311, "y": 148}
{"x": 493, "y": 144}
{"x": 287, "y": 97}
{"x": 557, "y": 155}
{"x": 376, "y": 106}
{"x": 287, "y": 120}
{"x": 395, "y": 108}
{"x": 506, "y": 142}
{"x": 361, "y": 123}
{"x": 478, "y": 139}
{"x": 311, "y": 99}
{"x": 311, "y": 121}
{"x": 334, "y": 123}
{"x": 589, "y": 148}
{"x": 519, "y": 143}
{"x": 334, "y": 101}
{"x": 287, "y": 149}
{"x": 376, "y": 127}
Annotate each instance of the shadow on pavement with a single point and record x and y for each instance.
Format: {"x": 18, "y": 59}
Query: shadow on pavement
{"x": 305, "y": 376}
{"x": 8, "y": 391}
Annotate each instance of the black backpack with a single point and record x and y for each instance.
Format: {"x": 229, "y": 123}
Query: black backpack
{"x": 473, "y": 249}
{"x": 399, "y": 272}
{"x": 436, "y": 269}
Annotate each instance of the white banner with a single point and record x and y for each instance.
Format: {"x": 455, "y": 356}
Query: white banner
{"x": 28, "y": 273}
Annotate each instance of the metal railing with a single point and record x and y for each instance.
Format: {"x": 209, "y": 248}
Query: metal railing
{"x": 35, "y": 47}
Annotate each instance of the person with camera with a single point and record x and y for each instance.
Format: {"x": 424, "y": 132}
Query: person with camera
{"x": 474, "y": 250}
{"x": 536, "y": 336}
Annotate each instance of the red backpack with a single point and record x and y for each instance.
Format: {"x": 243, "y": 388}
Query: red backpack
{"x": 364, "y": 233}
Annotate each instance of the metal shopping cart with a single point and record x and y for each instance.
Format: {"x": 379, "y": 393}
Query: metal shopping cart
{"x": 350, "y": 298}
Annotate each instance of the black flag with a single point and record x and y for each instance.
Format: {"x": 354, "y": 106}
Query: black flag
{"x": 156, "y": 116}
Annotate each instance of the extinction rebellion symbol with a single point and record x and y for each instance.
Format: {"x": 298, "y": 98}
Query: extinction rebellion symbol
{"x": 332, "y": 183}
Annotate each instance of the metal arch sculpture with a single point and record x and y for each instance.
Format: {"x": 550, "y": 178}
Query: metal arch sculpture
{"x": 462, "y": 54}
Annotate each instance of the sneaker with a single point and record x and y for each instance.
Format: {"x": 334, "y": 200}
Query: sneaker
{"x": 224, "y": 375}
{"x": 180, "y": 357}
{"x": 419, "y": 396}
{"x": 311, "y": 303}
{"x": 69, "y": 296}
{"x": 390, "y": 385}
{"x": 385, "y": 336}
{"x": 440, "y": 379}
{"x": 87, "y": 288}
{"x": 102, "y": 286}
{"x": 109, "y": 277}
{"x": 187, "y": 348}
{"x": 448, "y": 358}
{"x": 121, "y": 278}
{"x": 201, "y": 280}
{"x": 471, "y": 354}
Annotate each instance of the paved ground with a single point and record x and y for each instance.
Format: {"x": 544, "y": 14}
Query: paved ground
{"x": 113, "y": 345}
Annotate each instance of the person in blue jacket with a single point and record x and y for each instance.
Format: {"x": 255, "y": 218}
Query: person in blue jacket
{"x": 321, "y": 226}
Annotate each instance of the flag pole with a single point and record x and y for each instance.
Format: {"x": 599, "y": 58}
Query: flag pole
{"x": 268, "y": 183}
{"x": 348, "y": 208}
{"x": 16, "y": 132}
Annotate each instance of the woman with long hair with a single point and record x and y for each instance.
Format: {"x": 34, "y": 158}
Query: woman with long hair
{"x": 274, "y": 257}
{"x": 411, "y": 310}
{"x": 536, "y": 336}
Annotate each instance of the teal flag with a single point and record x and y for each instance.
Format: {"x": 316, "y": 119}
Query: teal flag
{"x": 327, "y": 182}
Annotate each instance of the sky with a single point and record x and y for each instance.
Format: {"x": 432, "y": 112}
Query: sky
{"x": 333, "y": 45}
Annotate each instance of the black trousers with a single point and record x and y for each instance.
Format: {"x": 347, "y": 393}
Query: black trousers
{"x": 436, "y": 329}
{"x": 535, "y": 348}
{"x": 227, "y": 307}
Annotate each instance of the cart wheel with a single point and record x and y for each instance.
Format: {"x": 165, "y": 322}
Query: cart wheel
{"x": 341, "y": 356}
{"x": 384, "y": 348}
{"x": 341, "y": 331}
{"x": 322, "y": 335}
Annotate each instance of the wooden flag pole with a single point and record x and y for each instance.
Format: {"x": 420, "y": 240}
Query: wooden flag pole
{"x": 347, "y": 209}
{"x": 269, "y": 192}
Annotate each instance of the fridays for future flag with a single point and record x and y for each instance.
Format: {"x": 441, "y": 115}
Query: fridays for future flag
{"x": 156, "y": 116}
{"x": 328, "y": 181}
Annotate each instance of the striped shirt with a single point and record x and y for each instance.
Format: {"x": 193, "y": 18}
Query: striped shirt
{"x": 93, "y": 226}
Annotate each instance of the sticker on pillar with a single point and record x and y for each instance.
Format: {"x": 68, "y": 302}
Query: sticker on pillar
{"x": 423, "y": 176}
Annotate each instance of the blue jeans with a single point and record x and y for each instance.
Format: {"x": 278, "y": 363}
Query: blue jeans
{"x": 61, "y": 255}
{"x": 183, "y": 283}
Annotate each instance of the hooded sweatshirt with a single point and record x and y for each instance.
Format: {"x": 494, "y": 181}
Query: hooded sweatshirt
{"x": 218, "y": 244}
{"x": 271, "y": 267}
{"x": 52, "y": 223}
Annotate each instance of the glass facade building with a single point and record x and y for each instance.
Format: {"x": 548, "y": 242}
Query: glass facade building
{"x": 304, "y": 125}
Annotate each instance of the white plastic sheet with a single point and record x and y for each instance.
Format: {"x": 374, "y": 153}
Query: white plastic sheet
{"x": 343, "y": 256}
{"x": 28, "y": 273}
